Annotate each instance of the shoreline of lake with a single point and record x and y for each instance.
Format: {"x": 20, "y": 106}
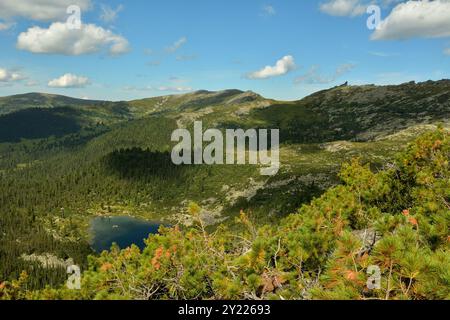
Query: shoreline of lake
{"x": 122, "y": 230}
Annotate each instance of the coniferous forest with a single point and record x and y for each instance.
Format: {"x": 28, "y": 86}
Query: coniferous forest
{"x": 224, "y": 159}
{"x": 360, "y": 209}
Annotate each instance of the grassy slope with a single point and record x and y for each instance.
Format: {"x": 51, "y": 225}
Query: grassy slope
{"x": 313, "y": 130}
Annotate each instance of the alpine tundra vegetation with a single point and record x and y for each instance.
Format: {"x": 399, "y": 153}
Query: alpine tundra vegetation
{"x": 363, "y": 191}
{"x": 225, "y": 150}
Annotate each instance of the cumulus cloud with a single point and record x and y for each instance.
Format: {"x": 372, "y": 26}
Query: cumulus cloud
{"x": 352, "y": 8}
{"x": 69, "y": 81}
{"x": 282, "y": 67}
{"x": 176, "y": 45}
{"x": 382, "y": 54}
{"x": 10, "y": 75}
{"x": 41, "y": 10}
{"x": 6, "y": 26}
{"x": 313, "y": 76}
{"x": 268, "y": 10}
{"x": 343, "y": 8}
{"x": 108, "y": 14}
{"x": 388, "y": 3}
{"x": 59, "y": 38}
{"x": 424, "y": 19}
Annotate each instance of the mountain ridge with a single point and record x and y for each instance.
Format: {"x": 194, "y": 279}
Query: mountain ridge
{"x": 113, "y": 158}
{"x": 229, "y": 90}
{"x": 343, "y": 112}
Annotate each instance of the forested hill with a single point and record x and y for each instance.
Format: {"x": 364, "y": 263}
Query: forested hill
{"x": 344, "y": 112}
{"x": 65, "y": 160}
{"x": 41, "y": 100}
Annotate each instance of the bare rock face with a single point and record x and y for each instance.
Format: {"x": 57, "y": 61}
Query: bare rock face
{"x": 368, "y": 237}
{"x": 48, "y": 260}
{"x": 247, "y": 96}
{"x": 337, "y": 146}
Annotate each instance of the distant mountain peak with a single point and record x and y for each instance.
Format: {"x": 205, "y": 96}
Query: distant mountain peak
{"x": 219, "y": 92}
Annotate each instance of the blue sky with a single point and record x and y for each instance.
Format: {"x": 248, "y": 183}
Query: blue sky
{"x": 167, "y": 47}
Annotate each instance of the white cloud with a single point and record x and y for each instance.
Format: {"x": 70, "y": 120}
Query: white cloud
{"x": 343, "y": 8}
{"x": 282, "y": 67}
{"x": 387, "y": 3}
{"x": 447, "y": 51}
{"x": 109, "y": 14}
{"x": 424, "y": 19}
{"x": 41, "y": 10}
{"x": 313, "y": 76}
{"x": 382, "y": 54}
{"x": 59, "y": 38}
{"x": 69, "y": 81}
{"x": 10, "y": 75}
{"x": 268, "y": 10}
{"x": 6, "y": 26}
{"x": 176, "y": 45}
{"x": 352, "y": 8}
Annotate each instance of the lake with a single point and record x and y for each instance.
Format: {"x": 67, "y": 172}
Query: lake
{"x": 124, "y": 231}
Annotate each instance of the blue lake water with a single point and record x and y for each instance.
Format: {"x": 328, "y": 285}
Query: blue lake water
{"x": 124, "y": 231}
